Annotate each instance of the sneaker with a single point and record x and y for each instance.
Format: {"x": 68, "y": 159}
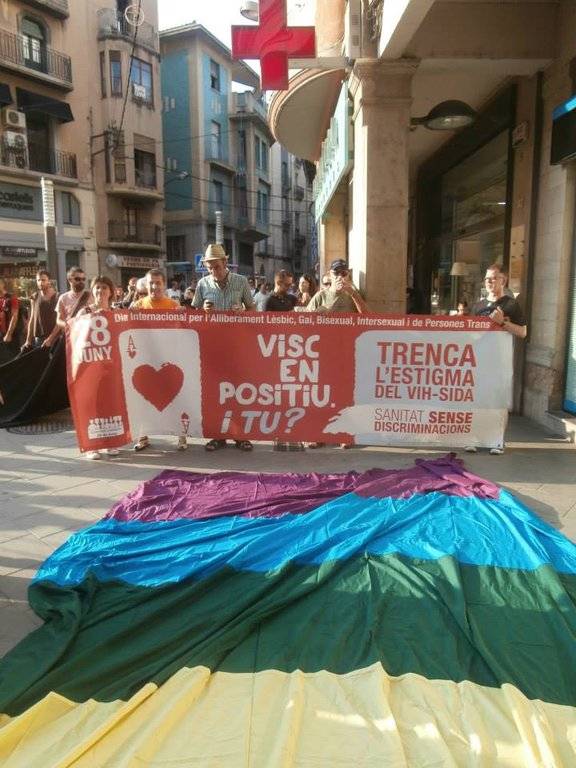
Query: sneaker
{"x": 496, "y": 451}
{"x": 92, "y": 455}
{"x": 112, "y": 452}
{"x": 182, "y": 443}
{"x": 471, "y": 449}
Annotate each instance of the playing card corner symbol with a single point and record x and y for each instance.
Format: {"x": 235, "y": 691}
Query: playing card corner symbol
{"x": 159, "y": 386}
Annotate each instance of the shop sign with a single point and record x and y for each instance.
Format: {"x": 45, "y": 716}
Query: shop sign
{"x": 20, "y": 202}
{"x": 24, "y": 269}
{"x": 139, "y": 262}
{"x": 337, "y": 154}
{"x": 14, "y": 253}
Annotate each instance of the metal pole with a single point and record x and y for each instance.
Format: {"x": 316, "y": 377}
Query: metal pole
{"x": 49, "y": 213}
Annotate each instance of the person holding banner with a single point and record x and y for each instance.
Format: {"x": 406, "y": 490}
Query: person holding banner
{"x": 102, "y": 291}
{"x": 503, "y": 310}
{"x": 71, "y": 302}
{"x": 42, "y": 328}
{"x": 340, "y": 295}
{"x": 223, "y": 290}
{"x": 157, "y": 299}
{"x": 9, "y": 312}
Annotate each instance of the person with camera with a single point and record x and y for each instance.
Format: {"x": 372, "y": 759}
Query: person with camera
{"x": 341, "y": 296}
{"x": 223, "y": 290}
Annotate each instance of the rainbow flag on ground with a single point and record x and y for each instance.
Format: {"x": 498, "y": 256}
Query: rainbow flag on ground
{"x": 419, "y": 618}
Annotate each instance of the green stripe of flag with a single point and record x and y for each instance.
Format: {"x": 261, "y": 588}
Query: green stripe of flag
{"x": 435, "y": 618}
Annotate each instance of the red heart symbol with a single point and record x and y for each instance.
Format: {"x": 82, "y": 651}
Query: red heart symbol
{"x": 158, "y": 386}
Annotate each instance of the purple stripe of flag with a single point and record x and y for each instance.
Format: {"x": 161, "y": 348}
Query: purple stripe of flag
{"x": 174, "y": 495}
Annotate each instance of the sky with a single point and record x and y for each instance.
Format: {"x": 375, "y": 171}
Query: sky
{"x": 219, "y": 15}
{"x": 215, "y": 15}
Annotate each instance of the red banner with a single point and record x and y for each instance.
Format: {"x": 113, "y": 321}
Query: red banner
{"x": 369, "y": 379}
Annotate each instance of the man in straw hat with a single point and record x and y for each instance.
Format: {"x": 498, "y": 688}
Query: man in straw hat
{"x": 222, "y": 289}
{"x": 225, "y": 289}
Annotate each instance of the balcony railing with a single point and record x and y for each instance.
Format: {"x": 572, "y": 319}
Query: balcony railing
{"x": 19, "y": 51}
{"x": 112, "y": 24}
{"x": 57, "y": 7}
{"x": 247, "y": 104}
{"x": 143, "y": 234}
{"x": 38, "y": 157}
{"x": 145, "y": 178}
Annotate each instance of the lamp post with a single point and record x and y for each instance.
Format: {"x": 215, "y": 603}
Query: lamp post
{"x": 49, "y": 217}
{"x": 447, "y": 116}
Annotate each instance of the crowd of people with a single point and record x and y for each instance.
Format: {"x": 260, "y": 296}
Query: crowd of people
{"x": 221, "y": 289}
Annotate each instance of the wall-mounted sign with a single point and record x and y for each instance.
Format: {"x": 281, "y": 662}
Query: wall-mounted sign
{"x": 139, "y": 262}
{"x": 15, "y": 253}
{"x": 337, "y": 154}
{"x": 20, "y": 202}
{"x": 21, "y": 269}
{"x": 273, "y": 42}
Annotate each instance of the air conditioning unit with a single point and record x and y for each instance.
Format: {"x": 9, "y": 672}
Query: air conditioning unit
{"x": 352, "y": 47}
{"x": 11, "y": 118}
{"x": 139, "y": 91}
{"x": 15, "y": 140}
{"x": 17, "y": 159}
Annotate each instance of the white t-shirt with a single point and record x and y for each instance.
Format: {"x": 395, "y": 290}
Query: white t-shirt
{"x": 260, "y": 300}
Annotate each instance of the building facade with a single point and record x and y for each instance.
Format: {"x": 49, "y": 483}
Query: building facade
{"x": 292, "y": 228}
{"x": 409, "y": 206}
{"x": 220, "y": 155}
{"x": 69, "y": 77}
{"x": 216, "y": 150}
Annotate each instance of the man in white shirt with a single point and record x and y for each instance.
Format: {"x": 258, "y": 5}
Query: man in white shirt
{"x": 261, "y": 296}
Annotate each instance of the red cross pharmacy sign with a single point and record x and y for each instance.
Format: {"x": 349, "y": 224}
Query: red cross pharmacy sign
{"x": 273, "y": 42}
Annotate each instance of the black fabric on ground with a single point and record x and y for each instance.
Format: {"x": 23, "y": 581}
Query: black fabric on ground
{"x": 33, "y": 385}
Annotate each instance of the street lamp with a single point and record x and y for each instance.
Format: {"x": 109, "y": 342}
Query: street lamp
{"x": 180, "y": 176}
{"x": 446, "y": 116}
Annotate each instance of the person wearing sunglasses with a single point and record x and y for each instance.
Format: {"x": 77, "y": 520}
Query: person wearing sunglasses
{"x": 71, "y": 302}
{"x": 341, "y": 295}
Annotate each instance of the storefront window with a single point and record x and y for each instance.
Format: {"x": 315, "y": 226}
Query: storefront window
{"x": 473, "y": 232}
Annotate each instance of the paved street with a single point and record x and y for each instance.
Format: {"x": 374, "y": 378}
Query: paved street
{"x": 47, "y": 491}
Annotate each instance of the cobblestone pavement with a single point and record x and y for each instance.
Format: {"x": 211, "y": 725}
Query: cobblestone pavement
{"x": 47, "y": 490}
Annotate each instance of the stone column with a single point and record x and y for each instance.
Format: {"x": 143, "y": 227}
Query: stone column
{"x": 378, "y": 244}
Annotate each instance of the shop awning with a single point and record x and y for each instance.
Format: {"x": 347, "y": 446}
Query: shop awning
{"x": 5, "y": 95}
{"x": 38, "y": 102}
